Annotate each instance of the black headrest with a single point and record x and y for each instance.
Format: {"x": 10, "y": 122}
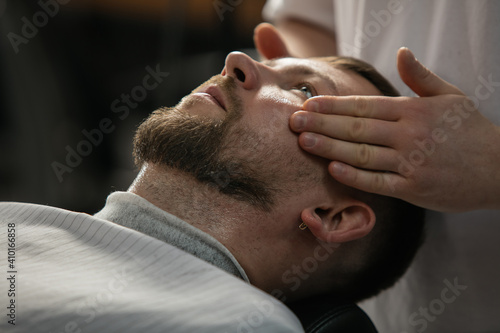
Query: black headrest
{"x": 320, "y": 314}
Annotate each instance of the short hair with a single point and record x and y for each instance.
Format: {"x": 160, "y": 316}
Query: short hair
{"x": 384, "y": 255}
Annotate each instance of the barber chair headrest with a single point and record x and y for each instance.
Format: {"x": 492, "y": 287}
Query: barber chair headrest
{"x": 320, "y": 315}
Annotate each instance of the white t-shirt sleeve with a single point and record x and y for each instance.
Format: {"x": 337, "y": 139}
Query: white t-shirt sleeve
{"x": 318, "y": 12}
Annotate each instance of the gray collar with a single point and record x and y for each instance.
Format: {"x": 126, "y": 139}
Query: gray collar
{"x": 135, "y": 212}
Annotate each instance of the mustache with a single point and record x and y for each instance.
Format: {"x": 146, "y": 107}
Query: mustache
{"x": 226, "y": 83}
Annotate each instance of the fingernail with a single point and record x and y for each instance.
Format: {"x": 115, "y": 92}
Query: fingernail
{"x": 338, "y": 168}
{"x": 298, "y": 121}
{"x": 312, "y": 106}
{"x": 410, "y": 53}
{"x": 309, "y": 140}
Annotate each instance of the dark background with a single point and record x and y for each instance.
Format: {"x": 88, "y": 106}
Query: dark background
{"x": 84, "y": 55}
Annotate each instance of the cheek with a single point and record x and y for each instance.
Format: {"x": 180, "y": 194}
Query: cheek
{"x": 271, "y": 129}
{"x": 282, "y": 100}
{"x": 265, "y": 132}
{"x": 270, "y": 112}
{"x": 265, "y": 138}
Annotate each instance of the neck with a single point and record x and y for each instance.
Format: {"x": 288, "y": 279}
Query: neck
{"x": 200, "y": 205}
{"x": 240, "y": 227}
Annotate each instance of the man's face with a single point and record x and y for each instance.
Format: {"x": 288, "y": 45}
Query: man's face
{"x": 232, "y": 131}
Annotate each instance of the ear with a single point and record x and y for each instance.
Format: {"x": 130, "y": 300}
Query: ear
{"x": 348, "y": 221}
{"x": 269, "y": 42}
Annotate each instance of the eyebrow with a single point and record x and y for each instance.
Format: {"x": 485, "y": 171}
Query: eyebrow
{"x": 303, "y": 70}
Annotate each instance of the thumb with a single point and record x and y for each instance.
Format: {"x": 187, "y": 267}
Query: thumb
{"x": 269, "y": 42}
{"x": 420, "y": 79}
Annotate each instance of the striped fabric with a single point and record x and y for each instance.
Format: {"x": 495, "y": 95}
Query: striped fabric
{"x": 72, "y": 272}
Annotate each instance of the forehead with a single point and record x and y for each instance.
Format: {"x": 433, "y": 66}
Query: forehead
{"x": 342, "y": 82}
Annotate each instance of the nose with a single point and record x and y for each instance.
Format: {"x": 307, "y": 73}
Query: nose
{"x": 243, "y": 69}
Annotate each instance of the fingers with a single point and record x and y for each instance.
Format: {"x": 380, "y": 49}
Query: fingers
{"x": 420, "y": 79}
{"x": 353, "y": 129}
{"x": 376, "y": 107}
{"x": 383, "y": 183}
{"x": 358, "y": 155}
{"x": 269, "y": 42}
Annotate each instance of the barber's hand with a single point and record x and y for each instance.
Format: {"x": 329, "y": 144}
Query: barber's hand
{"x": 269, "y": 42}
{"x": 436, "y": 151}
{"x": 295, "y": 38}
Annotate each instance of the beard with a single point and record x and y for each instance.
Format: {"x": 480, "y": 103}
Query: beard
{"x": 205, "y": 148}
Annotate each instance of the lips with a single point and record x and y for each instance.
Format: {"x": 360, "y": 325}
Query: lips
{"x": 216, "y": 94}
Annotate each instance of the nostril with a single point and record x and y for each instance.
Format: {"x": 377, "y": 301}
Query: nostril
{"x": 239, "y": 74}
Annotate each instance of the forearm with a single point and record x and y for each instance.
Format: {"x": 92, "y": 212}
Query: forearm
{"x": 493, "y": 181}
{"x": 305, "y": 40}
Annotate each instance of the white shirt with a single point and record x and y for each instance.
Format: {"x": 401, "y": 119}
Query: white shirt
{"x": 453, "y": 284}
{"x": 73, "y": 272}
